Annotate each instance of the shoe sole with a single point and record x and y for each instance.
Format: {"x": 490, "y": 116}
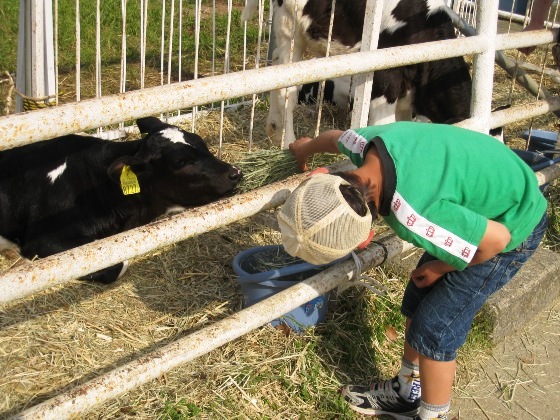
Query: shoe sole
{"x": 373, "y": 412}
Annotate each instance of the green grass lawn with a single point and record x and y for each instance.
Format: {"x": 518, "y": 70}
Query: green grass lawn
{"x": 111, "y": 26}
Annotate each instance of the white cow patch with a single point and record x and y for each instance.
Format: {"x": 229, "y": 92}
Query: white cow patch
{"x": 56, "y": 173}
{"x": 173, "y": 135}
{"x": 123, "y": 269}
{"x": 435, "y": 5}
{"x": 174, "y": 210}
{"x": 388, "y": 21}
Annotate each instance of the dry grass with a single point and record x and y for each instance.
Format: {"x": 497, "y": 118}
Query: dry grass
{"x": 65, "y": 336}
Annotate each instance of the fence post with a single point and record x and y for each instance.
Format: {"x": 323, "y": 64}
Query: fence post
{"x": 35, "y": 80}
{"x": 364, "y": 82}
{"x": 483, "y": 69}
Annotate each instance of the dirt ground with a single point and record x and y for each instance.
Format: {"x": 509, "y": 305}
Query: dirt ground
{"x": 520, "y": 379}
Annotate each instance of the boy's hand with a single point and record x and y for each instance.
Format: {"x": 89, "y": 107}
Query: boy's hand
{"x": 428, "y": 274}
{"x": 299, "y": 154}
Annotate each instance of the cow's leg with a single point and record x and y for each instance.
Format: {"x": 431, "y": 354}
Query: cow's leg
{"x": 107, "y": 275}
{"x": 284, "y": 101}
{"x": 404, "y": 107}
{"x": 275, "y": 119}
{"x": 381, "y": 111}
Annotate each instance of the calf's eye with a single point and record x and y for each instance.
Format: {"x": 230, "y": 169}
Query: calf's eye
{"x": 178, "y": 164}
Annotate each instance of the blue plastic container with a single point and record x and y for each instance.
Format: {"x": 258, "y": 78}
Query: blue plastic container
{"x": 519, "y": 8}
{"x": 266, "y": 270}
{"x": 537, "y": 161}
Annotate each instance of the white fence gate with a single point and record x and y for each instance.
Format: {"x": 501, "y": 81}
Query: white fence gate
{"x": 173, "y": 95}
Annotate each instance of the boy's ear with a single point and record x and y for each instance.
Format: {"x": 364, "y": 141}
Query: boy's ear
{"x": 367, "y": 241}
{"x": 322, "y": 170}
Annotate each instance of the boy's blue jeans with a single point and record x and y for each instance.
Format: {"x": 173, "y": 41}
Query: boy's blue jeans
{"x": 442, "y": 315}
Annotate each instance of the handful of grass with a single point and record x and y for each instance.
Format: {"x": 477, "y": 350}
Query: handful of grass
{"x": 264, "y": 167}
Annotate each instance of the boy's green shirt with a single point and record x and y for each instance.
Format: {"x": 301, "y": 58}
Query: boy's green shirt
{"x": 442, "y": 183}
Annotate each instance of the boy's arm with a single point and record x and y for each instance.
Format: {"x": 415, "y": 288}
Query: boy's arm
{"x": 304, "y": 148}
{"x": 495, "y": 239}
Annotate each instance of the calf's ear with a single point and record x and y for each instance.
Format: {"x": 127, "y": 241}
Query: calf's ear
{"x": 135, "y": 164}
{"x": 150, "y": 124}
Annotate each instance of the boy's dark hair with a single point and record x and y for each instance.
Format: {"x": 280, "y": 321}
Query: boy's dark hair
{"x": 356, "y": 194}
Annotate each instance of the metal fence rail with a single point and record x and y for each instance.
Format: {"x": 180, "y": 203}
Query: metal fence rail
{"x": 25, "y": 128}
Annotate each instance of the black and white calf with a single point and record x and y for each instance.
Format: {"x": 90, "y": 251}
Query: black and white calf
{"x": 439, "y": 90}
{"x": 66, "y": 192}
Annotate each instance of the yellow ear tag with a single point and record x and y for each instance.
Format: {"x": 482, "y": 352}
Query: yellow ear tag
{"x": 129, "y": 182}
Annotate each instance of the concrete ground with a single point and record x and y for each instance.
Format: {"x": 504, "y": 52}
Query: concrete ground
{"x": 520, "y": 379}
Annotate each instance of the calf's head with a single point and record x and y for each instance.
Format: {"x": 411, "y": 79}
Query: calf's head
{"x": 176, "y": 166}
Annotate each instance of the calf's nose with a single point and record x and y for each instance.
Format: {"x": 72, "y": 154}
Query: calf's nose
{"x": 235, "y": 175}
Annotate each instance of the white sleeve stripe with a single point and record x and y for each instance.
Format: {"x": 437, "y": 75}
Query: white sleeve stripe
{"x": 431, "y": 232}
{"x": 354, "y": 142}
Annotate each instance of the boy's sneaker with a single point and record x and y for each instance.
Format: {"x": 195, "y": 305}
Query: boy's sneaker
{"x": 380, "y": 398}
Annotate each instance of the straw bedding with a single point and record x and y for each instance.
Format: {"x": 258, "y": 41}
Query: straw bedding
{"x": 67, "y": 335}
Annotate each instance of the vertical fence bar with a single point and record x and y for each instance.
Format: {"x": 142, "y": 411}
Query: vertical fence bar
{"x": 78, "y": 52}
{"x": 122, "y": 87}
{"x": 321, "y": 90}
{"x": 364, "y": 82}
{"x": 143, "y": 27}
{"x": 197, "y": 17}
{"x": 56, "y": 51}
{"x": 35, "y": 78}
{"x": 257, "y": 65}
{"x": 226, "y": 70}
{"x": 98, "y": 49}
{"x": 180, "y": 47}
{"x": 162, "y": 44}
{"x": 170, "y": 42}
{"x": 483, "y": 68}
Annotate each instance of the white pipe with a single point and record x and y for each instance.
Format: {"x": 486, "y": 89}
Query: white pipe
{"x": 154, "y": 364}
{"x": 507, "y": 63}
{"x": 515, "y": 113}
{"x": 364, "y": 82}
{"x": 483, "y": 67}
{"x": 25, "y": 128}
{"x": 170, "y": 41}
{"x": 78, "y": 53}
{"x": 162, "y": 44}
{"x": 98, "y": 49}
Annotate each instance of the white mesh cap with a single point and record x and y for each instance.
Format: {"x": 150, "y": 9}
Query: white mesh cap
{"x": 317, "y": 223}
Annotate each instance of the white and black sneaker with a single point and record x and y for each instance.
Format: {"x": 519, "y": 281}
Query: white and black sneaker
{"x": 380, "y": 398}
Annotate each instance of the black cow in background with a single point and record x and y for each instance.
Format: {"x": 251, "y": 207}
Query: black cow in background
{"x": 438, "y": 90}
{"x": 69, "y": 191}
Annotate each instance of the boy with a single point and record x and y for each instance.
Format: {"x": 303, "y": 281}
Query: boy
{"x": 462, "y": 196}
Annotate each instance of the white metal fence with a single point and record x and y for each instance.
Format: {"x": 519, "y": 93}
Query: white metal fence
{"x": 25, "y": 128}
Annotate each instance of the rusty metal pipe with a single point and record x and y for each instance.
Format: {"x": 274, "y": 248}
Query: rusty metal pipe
{"x": 28, "y": 127}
